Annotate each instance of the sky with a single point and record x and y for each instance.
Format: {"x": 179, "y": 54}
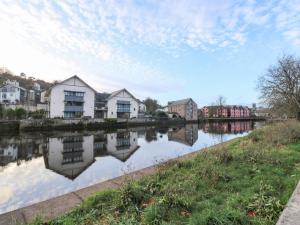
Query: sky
{"x": 163, "y": 49}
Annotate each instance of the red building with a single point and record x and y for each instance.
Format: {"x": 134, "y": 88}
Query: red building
{"x": 226, "y": 111}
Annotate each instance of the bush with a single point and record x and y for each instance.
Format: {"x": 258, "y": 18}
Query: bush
{"x": 20, "y": 113}
{"x": 40, "y": 114}
{"x": 111, "y": 120}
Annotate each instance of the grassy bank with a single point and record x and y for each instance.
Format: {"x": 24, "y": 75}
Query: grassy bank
{"x": 246, "y": 182}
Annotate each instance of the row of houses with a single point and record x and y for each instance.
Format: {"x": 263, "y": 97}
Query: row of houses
{"x": 74, "y": 98}
{"x": 12, "y": 93}
{"x": 231, "y": 111}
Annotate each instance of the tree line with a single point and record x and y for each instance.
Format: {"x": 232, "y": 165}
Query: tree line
{"x": 20, "y": 113}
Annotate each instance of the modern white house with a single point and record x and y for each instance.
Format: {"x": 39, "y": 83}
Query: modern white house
{"x": 119, "y": 104}
{"x": 71, "y": 98}
{"x": 12, "y": 93}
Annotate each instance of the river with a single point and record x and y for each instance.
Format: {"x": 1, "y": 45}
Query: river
{"x": 38, "y": 166}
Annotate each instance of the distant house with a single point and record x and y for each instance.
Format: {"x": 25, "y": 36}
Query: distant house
{"x": 186, "y": 108}
{"x": 71, "y": 98}
{"x": 119, "y": 104}
{"x": 36, "y": 86}
{"x": 12, "y": 93}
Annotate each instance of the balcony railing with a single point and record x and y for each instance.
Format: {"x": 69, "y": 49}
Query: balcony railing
{"x": 74, "y": 98}
{"x": 123, "y": 110}
{"x": 73, "y": 108}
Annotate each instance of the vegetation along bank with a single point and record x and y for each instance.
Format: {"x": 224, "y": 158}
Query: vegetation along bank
{"x": 248, "y": 181}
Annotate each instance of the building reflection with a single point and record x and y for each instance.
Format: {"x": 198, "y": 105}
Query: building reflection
{"x": 187, "y": 135}
{"x": 122, "y": 145}
{"x": 233, "y": 127}
{"x": 17, "y": 150}
{"x": 70, "y": 156}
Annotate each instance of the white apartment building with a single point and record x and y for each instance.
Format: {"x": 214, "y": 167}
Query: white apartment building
{"x": 119, "y": 104}
{"x": 122, "y": 104}
{"x": 71, "y": 98}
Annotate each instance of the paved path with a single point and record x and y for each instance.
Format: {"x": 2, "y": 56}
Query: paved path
{"x": 291, "y": 213}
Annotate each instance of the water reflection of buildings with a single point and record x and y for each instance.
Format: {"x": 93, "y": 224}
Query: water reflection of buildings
{"x": 19, "y": 149}
{"x": 228, "y": 127}
{"x": 187, "y": 135}
{"x": 70, "y": 156}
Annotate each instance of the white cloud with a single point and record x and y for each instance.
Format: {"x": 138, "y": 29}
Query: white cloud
{"x": 92, "y": 37}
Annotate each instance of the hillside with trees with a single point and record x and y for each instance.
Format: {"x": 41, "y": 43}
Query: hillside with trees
{"x": 24, "y": 80}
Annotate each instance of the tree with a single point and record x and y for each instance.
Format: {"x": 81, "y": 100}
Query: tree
{"x": 280, "y": 86}
{"x": 1, "y": 111}
{"x": 221, "y": 101}
{"x": 10, "y": 114}
{"x": 20, "y": 113}
{"x": 151, "y": 105}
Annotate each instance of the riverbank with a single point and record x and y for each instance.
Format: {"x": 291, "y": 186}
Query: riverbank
{"x": 245, "y": 182}
{"x": 95, "y": 124}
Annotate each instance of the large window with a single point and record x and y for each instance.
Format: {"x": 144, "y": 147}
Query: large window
{"x": 123, "y": 106}
{"x": 74, "y": 93}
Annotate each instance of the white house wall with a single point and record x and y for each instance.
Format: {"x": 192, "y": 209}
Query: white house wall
{"x": 123, "y": 96}
{"x": 11, "y": 97}
{"x": 57, "y": 97}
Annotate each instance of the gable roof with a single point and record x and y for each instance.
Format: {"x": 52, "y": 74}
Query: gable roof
{"x": 115, "y": 93}
{"x": 76, "y": 77}
{"x": 180, "y": 102}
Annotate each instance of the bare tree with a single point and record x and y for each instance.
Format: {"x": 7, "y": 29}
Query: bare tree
{"x": 221, "y": 101}
{"x": 280, "y": 86}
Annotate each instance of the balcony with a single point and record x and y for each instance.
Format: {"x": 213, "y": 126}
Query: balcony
{"x": 69, "y": 98}
{"x": 73, "y": 108}
{"x": 123, "y": 110}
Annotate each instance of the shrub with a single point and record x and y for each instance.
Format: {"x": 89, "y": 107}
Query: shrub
{"x": 40, "y": 114}
{"x": 264, "y": 204}
{"x": 20, "y": 113}
{"x": 111, "y": 120}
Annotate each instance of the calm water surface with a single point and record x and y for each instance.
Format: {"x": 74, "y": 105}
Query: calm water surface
{"x": 36, "y": 167}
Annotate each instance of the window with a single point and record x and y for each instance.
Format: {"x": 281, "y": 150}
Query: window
{"x": 123, "y": 107}
{"x": 74, "y": 93}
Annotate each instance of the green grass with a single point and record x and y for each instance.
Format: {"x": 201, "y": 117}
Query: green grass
{"x": 246, "y": 182}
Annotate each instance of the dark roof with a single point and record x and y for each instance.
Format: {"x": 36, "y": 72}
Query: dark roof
{"x": 180, "y": 102}
{"x": 101, "y": 96}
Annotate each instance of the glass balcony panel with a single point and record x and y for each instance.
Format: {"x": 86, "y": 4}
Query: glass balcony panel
{"x": 73, "y": 108}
